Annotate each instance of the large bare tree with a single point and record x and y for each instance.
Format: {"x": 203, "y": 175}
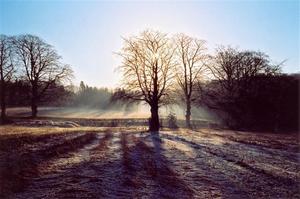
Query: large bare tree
{"x": 191, "y": 58}
{"x": 234, "y": 69}
{"x": 42, "y": 66}
{"x": 234, "y": 74}
{"x": 6, "y": 71}
{"x": 148, "y": 69}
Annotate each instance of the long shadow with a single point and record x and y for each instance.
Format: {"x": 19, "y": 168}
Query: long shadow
{"x": 16, "y": 158}
{"x": 145, "y": 171}
{"x": 132, "y": 180}
{"x": 158, "y": 167}
{"x": 287, "y": 182}
{"x": 18, "y": 168}
{"x": 157, "y": 139}
{"x": 273, "y": 144}
{"x": 87, "y": 178}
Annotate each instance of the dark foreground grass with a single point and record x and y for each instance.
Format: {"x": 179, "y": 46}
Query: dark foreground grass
{"x": 17, "y": 164}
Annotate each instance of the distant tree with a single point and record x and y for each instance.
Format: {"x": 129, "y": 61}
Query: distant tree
{"x": 191, "y": 57}
{"x": 6, "y": 71}
{"x": 42, "y": 66}
{"x": 148, "y": 70}
{"x": 82, "y": 87}
{"x": 92, "y": 97}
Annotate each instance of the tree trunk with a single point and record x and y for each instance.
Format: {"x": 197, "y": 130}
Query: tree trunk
{"x": 33, "y": 109}
{"x": 188, "y": 114}
{"x": 3, "y": 104}
{"x": 154, "y": 121}
{"x": 34, "y": 102}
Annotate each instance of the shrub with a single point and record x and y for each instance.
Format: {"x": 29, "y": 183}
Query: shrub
{"x": 172, "y": 121}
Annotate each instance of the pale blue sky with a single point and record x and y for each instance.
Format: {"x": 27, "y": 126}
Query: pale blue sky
{"x": 86, "y": 33}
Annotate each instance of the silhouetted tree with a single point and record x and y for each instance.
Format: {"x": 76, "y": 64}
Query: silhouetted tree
{"x": 234, "y": 81}
{"x": 191, "y": 59}
{"x": 235, "y": 69}
{"x": 148, "y": 69}
{"x": 6, "y": 71}
{"x": 18, "y": 93}
{"x": 41, "y": 64}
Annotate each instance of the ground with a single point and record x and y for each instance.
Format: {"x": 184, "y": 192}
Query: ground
{"x": 70, "y": 161}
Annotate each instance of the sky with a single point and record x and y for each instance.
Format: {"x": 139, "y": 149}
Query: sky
{"x": 87, "y": 34}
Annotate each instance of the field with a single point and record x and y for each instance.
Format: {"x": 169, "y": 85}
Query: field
{"x": 55, "y": 159}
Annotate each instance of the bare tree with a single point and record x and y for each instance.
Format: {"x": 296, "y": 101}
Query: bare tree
{"x": 6, "y": 71}
{"x": 235, "y": 69}
{"x": 41, "y": 65}
{"x": 234, "y": 74}
{"x": 191, "y": 56}
{"x": 148, "y": 69}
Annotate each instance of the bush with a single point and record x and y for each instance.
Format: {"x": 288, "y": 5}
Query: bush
{"x": 172, "y": 121}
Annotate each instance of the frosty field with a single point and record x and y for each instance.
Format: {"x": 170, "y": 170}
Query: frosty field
{"x": 99, "y": 162}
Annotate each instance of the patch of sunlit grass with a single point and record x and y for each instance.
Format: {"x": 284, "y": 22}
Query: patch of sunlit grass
{"x": 16, "y": 130}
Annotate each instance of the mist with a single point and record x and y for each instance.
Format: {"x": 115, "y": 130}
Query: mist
{"x": 123, "y": 111}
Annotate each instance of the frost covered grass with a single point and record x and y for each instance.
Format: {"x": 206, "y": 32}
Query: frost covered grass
{"x": 123, "y": 162}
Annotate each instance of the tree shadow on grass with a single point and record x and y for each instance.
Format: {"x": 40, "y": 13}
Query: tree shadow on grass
{"x": 168, "y": 183}
{"x": 17, "y": 167}
{"x": 218, "y": 153}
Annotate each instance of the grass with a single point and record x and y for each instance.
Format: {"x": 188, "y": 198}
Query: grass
{"x": 143, "y": 162}
{"x": 21, "y": 130}
{"x": 23, "y": 148}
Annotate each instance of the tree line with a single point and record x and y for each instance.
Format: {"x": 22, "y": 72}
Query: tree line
{"x": 243, "y": 87}
{"x": 18, "y": 94}
{"x": 95, "y": 98}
